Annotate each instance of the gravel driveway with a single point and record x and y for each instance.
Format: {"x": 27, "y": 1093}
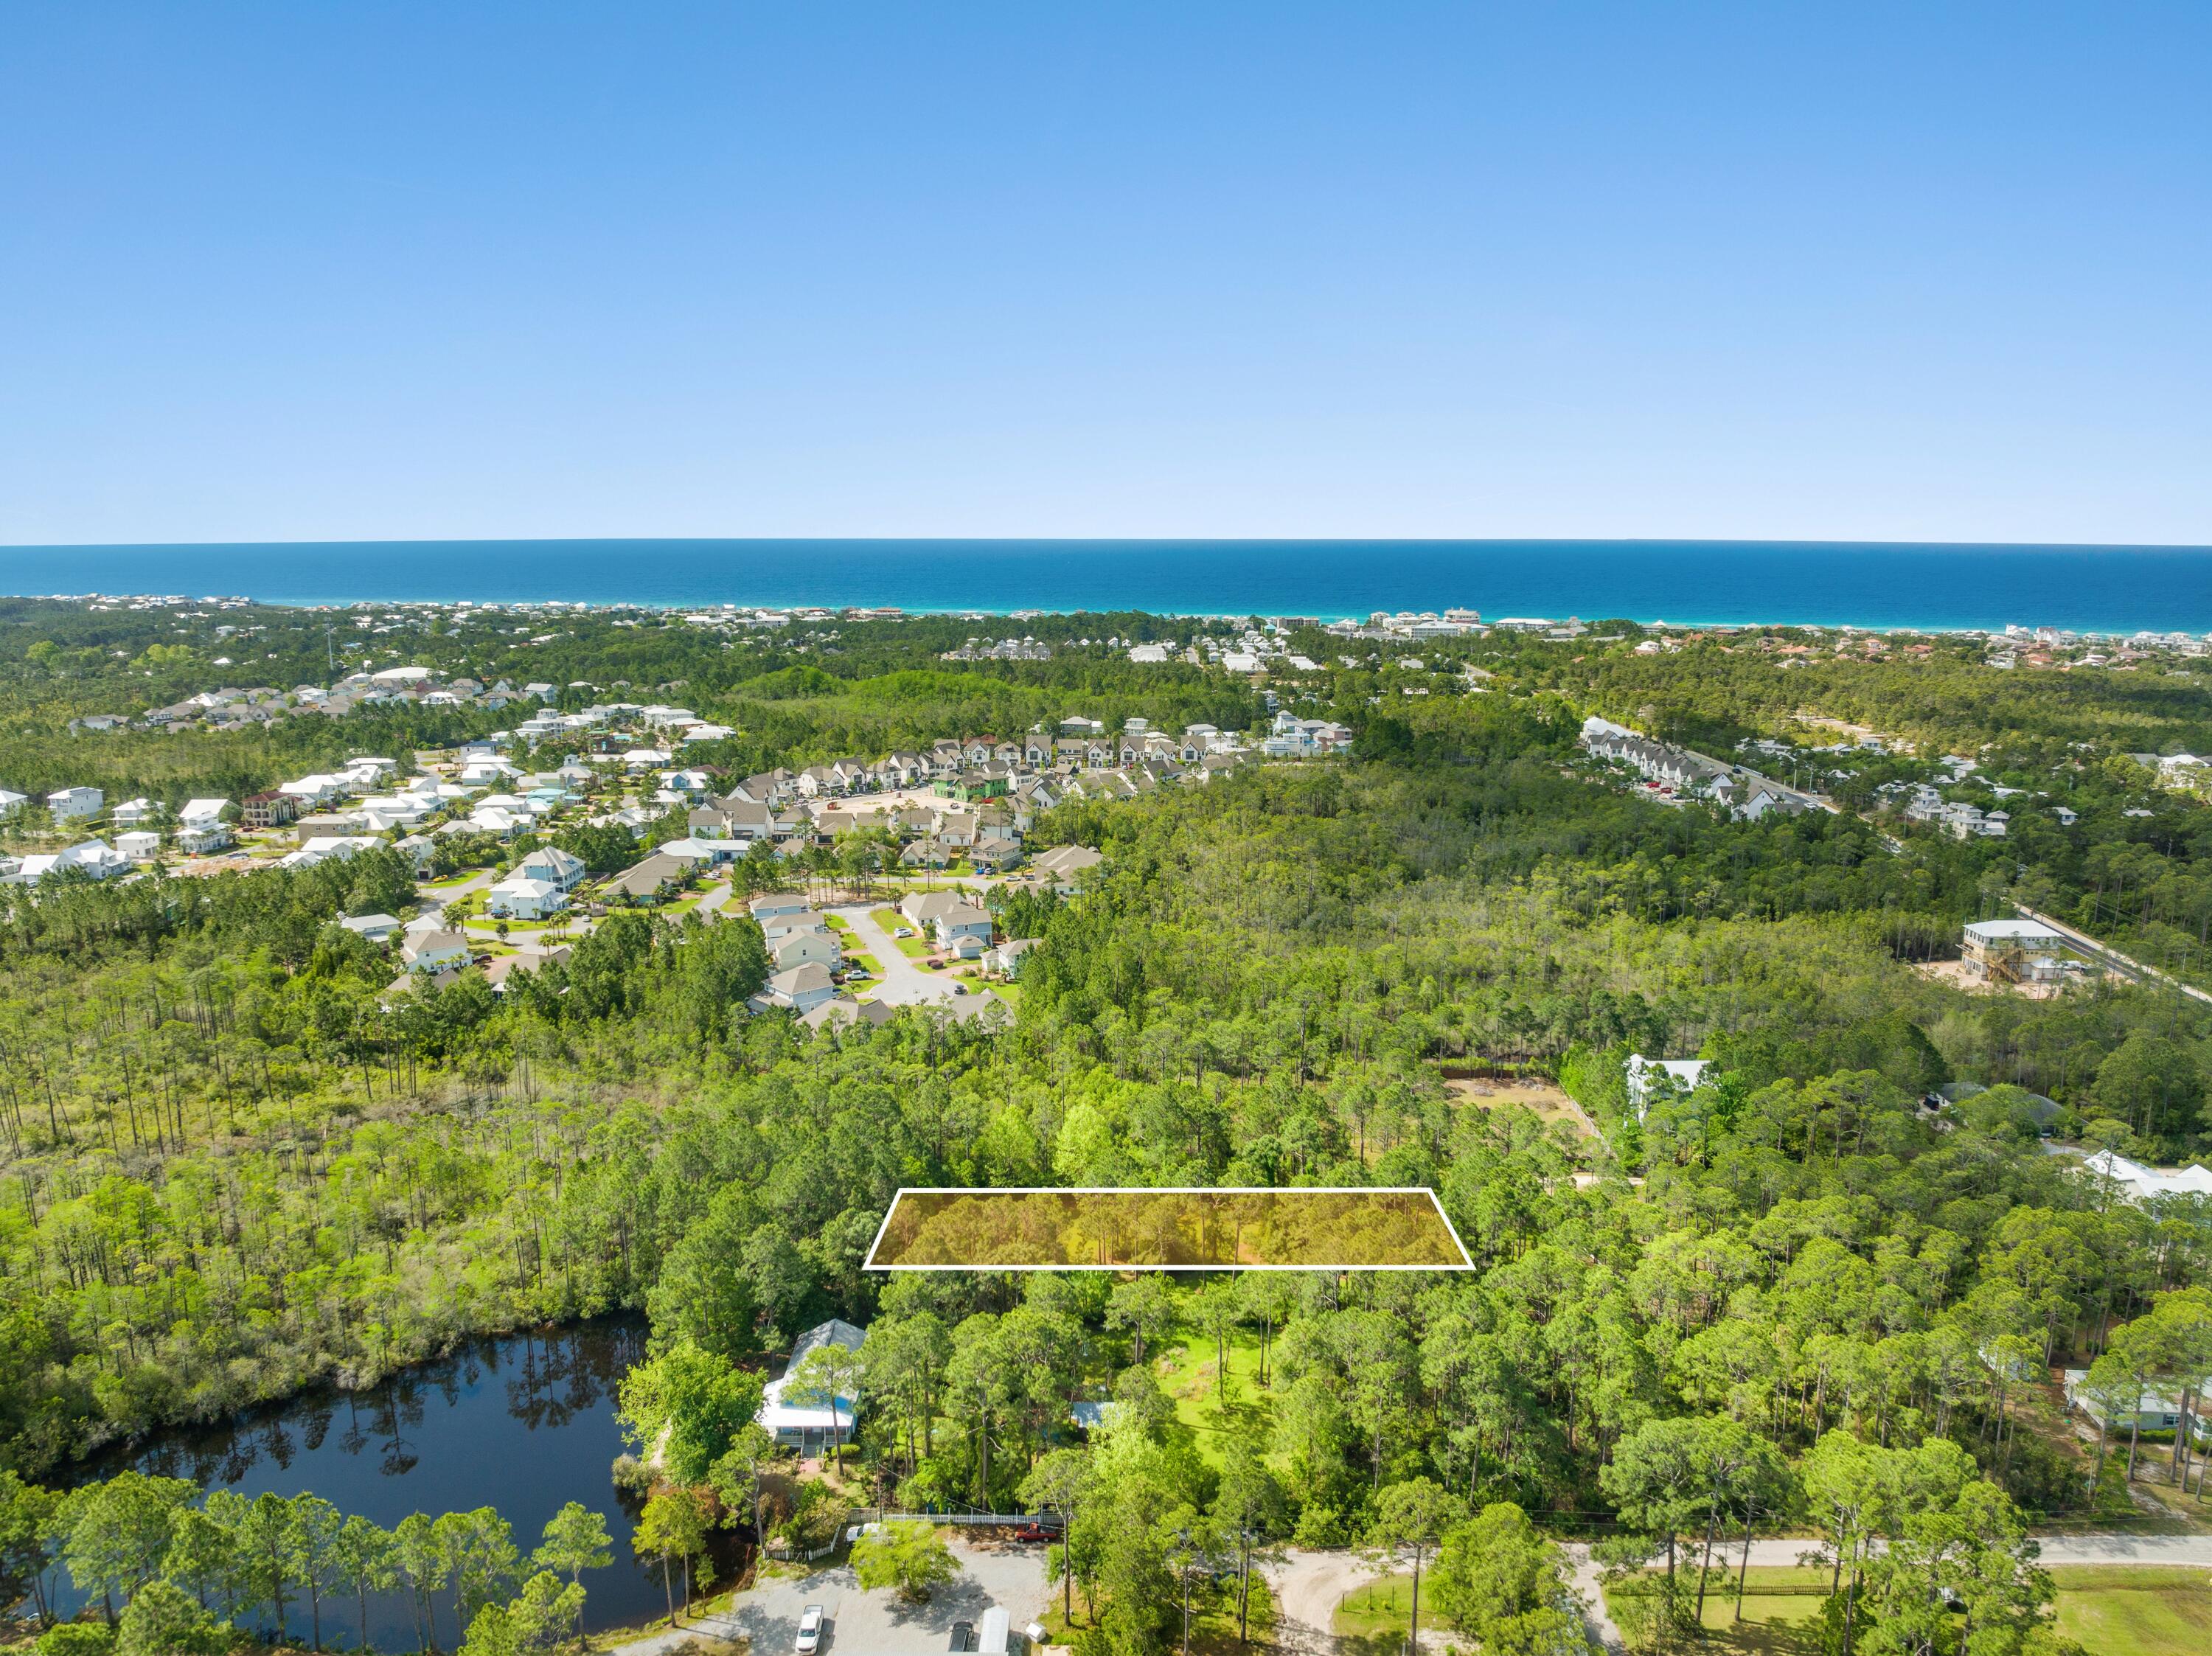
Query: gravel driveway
{"x": 863, "y": 1623}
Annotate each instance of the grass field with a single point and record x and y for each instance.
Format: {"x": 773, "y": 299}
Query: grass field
{"x": 2144, "y": 1611}
{"x": 1376, "y": 1609}
{"x": 890, "y": 920}
{"x": 2113, "y": 1609}
{"x": 1185, "y": 1370}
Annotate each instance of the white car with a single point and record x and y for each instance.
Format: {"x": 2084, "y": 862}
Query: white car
{"x": 810, "y": 1630}
{"x": 903, "y": 932}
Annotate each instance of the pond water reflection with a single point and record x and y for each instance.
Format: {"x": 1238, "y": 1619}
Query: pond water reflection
{"x": 522, "y": 1424}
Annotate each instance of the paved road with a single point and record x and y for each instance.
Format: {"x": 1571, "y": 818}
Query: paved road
{"x": 902, "y": 982}
{"x": 863, "y": 1623}
{"x": 2104, "y": 951}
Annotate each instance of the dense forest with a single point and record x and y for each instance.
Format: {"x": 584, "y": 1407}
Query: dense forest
{"x": 1797, "y": 1299}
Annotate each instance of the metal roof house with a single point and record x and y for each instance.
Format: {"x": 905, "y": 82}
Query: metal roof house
{"x": 811, "y": 1428}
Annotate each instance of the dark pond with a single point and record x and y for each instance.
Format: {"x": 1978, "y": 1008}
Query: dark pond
{"x": 523, "y": 1424}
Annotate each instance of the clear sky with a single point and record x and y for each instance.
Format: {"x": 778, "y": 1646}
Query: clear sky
{"x": 327, "y": 270}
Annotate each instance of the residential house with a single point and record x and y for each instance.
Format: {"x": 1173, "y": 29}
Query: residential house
{"x": 310, "y": 791}
{"x": 327, "y": 823}
{"x": 500, "y": 971}
{"x": 76, "y": 805}
{"x": 135, "y": 813}
{"x": 963, "y": 930}
{"x": 1648, "y": 1077}
{"x": 1006, "y": 959}
{"x": 267, "y": 811}
{"x": 806, "y": 948}
{"x": 375, "y": 928}
{"x": 2007, "y": 950}
{"x": 2151, "y": 1410}
{"x": 920, "y": 909}
{"x": 322, "y": 847}
{"x": 549, "y": 862}
{"x": 203, "y": 837}
{"x": 522, "y": 898}
{"x": 434, "y": 952}
{"x": 772, "y": 904}
{"x": 842, "y": 1010}
{"x": 649, "y": 879}
{"x": 809, "y": 1425}
{"x": 785, "y": 925}
{"x": 801, "y": 989}
{"x": 1062, "y": 865}
{"x": 141, "y": 846}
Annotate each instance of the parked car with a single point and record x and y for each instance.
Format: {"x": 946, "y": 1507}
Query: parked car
{"x": 908, "y": 932}
{"x": 964, "y": 1636}
{"x": 810, "y": 1630}
{"x": 1036, "y": 1532}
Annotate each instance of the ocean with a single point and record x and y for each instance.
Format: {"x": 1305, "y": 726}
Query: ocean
{"x": 2102, "y": 589}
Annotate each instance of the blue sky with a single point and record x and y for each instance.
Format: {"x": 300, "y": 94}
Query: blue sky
{"x": 1672, "y": 270}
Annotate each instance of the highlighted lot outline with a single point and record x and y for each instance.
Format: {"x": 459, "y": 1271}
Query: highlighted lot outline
{"x": 1174, "y": 1227}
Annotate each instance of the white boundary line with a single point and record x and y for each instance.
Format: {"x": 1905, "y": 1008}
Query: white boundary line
{"x": 1466, "y": 1260}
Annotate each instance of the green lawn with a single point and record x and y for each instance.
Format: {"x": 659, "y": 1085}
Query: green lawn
{"x": 1774, "y": 1620}
{"x": 1185, "y": 1372}
{"x": 912, "y": 948}
{"x": 2118, "y": 1609}
{"x": 1379, "y": 1607}
{"x": 2113, "y": 1609}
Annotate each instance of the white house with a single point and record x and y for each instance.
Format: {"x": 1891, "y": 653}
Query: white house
{"x": 2143, "y": 1184}
{"x": 76, "y": 805}
{"x": 921, "y": 908}
{"x": 811, "y": 1426}
{"x": 773, "y": 903}
{"x": 521, "y": 898}
{"x": 134, "y": 813}
{"x": 1647, "y": 1075}
{"x": 553, "y": 864}
{"x": 499, "y": 820}
{"x": 143, "y": 846}
{"x": 95, "y": 857}
{"x": 197, "y": 838}
{"x": 964, "y": 928}
{"x": 376, "y": 928}
{"x": 318, "y": 847}
{"x": 433, "y": 952}
{"x": 802, "y": 989}
{"x": 1007, "y": 958}
{"x": 1058, "y": 866}
{"x": 807, "y": 948}
{"x": 199, "y": 811}
{"x": 316, "y": 790}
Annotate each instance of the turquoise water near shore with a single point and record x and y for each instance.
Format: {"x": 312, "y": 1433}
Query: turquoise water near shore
{"x": 2088, "y": 589}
